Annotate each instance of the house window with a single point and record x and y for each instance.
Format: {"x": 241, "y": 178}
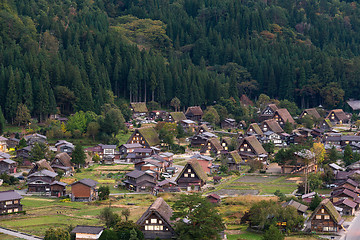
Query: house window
{"x": 245, "y": 145}
{"x": 192, "y": 175}
{"x": 16, "y": 201}
{"x": 9, "y": 210}
{"x": 189, "y": 170}
{"x": 325, "y": 229}
{"x": 322, "y": 210}
{"x": 326, "y": 217}
{"x": 147, "y": 221}
{"x": 154, "y": 220}
{"x": 241, "y": 149}
{"x": 249, "y": 150}
{"x": 16, "y": 209}
{"x": 185, "y": 175}
{"x": 160, "y": 222}
{"x": 318, "y": 216}
{"x": 149, "y": 228}
{"x": 8, "y": 203}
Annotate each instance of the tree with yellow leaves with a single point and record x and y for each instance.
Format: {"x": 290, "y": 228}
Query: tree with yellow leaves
{"x": 319, "y": 150}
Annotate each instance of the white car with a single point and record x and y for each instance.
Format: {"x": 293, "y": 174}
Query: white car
{"x": 166, "y": 175}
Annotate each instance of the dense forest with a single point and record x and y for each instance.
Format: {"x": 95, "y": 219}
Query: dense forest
{"x": 79, "y": 54}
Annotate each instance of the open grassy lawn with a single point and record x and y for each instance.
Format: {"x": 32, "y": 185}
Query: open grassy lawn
{"x": 107, "y": 175}
{"x": 247, "y": 236}
{"x": 42, "y": 213}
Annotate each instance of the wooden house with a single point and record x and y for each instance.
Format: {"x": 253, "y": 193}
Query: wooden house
{"x": 167, "y": 186}
{"x": 84, "y": 190}
{"x": 58, "y": 189}
{"x": 24, "y": 153}
{"x": 40, "y": 181}
{"x": 201, "y": 139}
{"x": 139, "y": 153}
{"x": 35, "y": 138}
{"x": 302, "y": 162}
{"x": 12, "y": 142}
{"x": 312, "y": 112}
{"x": 228, "y": 123}
{"x": 176, "y": 117}
{"x": 214, "y": 198}
{"x": 194, "y": 113}
{"x": 125, "y": 149}
{"x": 254, "y": 129}
{"x": 338, "y": 116}
{"x": 308, "y": 197}
{"x": 3, "y": 144}
{"x": 347, "y": 205}
{"x": 40, "y": 165}
{"x": 271, "y": 125}
{"x": 326, "y": 218}
{"x": 282, "y": 116}
{"x": 301, "y": 208}
{"x": 156, "y": 221}
{"x": 268, "y": 112}
{"x": 189, "y": 126}
{"x": 340, "y": 194}
{"x": 212, "y": 146}
{"x": 147, "y": 137}
{"x": 64, "y": 146}
{"x": 226, "y": 143}
{"x": 7, "y": 166}
{"x": 251, "y": 148}
{"x": 271, "y": 137}
{"x": 326, "y": 125}
{"x": 233, "y": 160}
{"x": 192, "y": 176}
{"x": 140, "y": 181}
{"x": 158, "y": 115}
{"x": 87, "y": 232}
{"x": 202, "y": 129}
{"x": 10, "y": 202}
{"x": 139, "y": 109}
{"x": 62, "y": 161}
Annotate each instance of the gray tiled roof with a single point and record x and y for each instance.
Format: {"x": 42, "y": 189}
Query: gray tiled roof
{"x": 87, "y": 229}
{"x": 9, "y": 195}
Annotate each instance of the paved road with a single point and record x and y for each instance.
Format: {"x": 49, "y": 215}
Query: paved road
{"x": 353, "y": 232}
{"x": 18, "y": 234}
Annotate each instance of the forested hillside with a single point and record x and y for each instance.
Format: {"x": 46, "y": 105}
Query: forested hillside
{"x": 77, "y": 54}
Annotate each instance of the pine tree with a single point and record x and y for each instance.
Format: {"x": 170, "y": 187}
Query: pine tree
{"x": 11, "y": 98}
{"x": 28, "y": 92}
{"x": 2, "y": 122}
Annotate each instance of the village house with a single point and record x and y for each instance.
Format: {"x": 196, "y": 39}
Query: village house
{"x": 202, "y": 129}
{"x": 64, "y": 146}
{"x": 302, "y": 162}
{"x": 194, "y": 113}
{"x": 125, "y": 149}
{"x": 214, "y": 198}
{"x": 192, "y": 176}
{"x": 189, "y": 126}
{"x": 10, "y": 202}
{"x": 12, "y": 142}
{"x": 301, "y": 208}
{"x": 62, "y": 161}
{"x": 201, "y": 139}
{"x": 156, "y": 221}
{"x": 340, "y": 194}
{"x": 4, "y": 156}
{"x": 347, "y": 205}
{"x": 226, "y": 143}
{"x": 338, "y": 116}
{"x": 271, "y": 125}
{"x": 228, "y": 123}
{"x": 251, "y": 149}
{"x": 326, "y": 218}
{"x": 272, "y": 137}
{"x": 312, "y": 112}
{"x": 167, "y": 186}
{"x": 139, "y": 153}
{"x": 268, "y": 112}
{"x": 335, "y": 168}
{"x": 40, "y": 165}
{"x": 7, "y": 166}
{"x": 84, "y": 190}
{"x": 341, "y": 140}
{"x": 139, "y": 109}
{"x": 24, "y": 154}
{"x": 87, "y": 232}
{"x": 140, "y": 181}
{"x": 254, "y": 129}
{"x": 326, "y": 125}
{"x": 58, "y": 189}
{"x": 308, "y": 197}
{"x": 233, "y": 160}
{"x": 176, "y": 117}
{"x": 35, "y": 138}
{"x": 3, "y": 144}
{"x": 167, "y": 156}
{"x": 147, "y": 137}
{"x": 282, "y": 116}
{"x": 158, "y": 115}
{"x": 212, "y": 146}
{"x": 40, "y": 181}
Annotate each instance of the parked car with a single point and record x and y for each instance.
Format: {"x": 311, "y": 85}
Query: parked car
{"x": 172, "y": 170}
{"x": 166, "y": 175}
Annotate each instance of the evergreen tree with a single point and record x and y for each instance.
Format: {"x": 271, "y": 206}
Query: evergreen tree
{"x": 11, "y": 98}
{"x": 348, "y": 155}
{"x": 2, "y": 122}
{"x": 273, "y": 234}
{"x": 78, "y": 156}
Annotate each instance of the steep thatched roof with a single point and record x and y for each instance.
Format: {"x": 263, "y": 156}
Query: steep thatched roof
{"x": 197, "y": 168}
{"x": 235, "y": 156}
{"x": 285, "y": 115}
{"x": 273, "y": 126}
{"x": 329, "y": 207}
{"x": 150, "y": 135}
{"x": 40, "y": 165}
{"x": 256, "y": 128}
{"x": 339, "y": 113}
{"x": 64, "y": 158}
{"x": 226, "y": 140}
{"x": 312, "y": 112}
{"x": 254, "y": 144}
{"x": 178, "y": 116}
{"x": 216, "y": 143}
{"x": 196, "y": 111}
{"x": 139, "y": 107}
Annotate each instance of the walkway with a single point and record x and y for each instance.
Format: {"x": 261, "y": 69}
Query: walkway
{"x": 18, "y": 234}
